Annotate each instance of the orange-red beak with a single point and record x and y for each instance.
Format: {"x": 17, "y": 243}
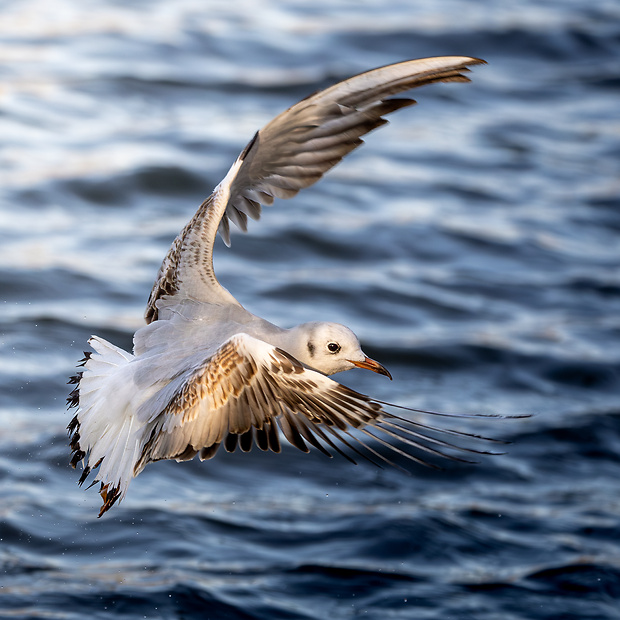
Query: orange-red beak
{"x": 372, "y": 365}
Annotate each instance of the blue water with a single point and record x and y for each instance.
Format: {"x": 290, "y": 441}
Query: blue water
{"x": 473, "y": 245}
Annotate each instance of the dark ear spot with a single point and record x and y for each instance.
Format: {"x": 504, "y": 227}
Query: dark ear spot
{"x": 310, "y": 349}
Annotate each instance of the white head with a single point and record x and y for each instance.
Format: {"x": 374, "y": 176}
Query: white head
{"x": 330, "y": 348}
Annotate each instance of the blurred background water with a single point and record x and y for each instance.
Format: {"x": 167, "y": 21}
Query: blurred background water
{"x": 473, "y": 245}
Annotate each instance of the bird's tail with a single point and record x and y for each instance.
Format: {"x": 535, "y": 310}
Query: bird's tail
{"x": 105, "y": 432}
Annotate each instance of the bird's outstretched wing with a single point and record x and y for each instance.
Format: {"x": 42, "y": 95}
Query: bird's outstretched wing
{"x": 290, "y": 153}
{"x": 248, "y": 389}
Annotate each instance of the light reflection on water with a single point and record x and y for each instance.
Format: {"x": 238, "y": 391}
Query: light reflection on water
{"x": 472, "y": 244}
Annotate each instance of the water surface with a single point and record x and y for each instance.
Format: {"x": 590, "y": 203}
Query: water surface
{"x": 473, "y": 244}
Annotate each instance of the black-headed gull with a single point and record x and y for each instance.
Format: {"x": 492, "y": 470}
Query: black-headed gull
{"x": 204, "y": 370}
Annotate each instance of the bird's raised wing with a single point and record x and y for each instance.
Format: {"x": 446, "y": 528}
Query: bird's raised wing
{"x": 248, "y": 389}
{"x": 290, "y": 153}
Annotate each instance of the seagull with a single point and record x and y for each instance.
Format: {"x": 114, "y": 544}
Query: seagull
{"x": 205, "y": 371}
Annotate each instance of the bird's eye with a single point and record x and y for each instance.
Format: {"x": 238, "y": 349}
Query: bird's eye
{"x": 333, "y": 347}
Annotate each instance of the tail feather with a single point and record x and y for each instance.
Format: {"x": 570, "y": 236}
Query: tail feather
{"x": 105, "y": 433}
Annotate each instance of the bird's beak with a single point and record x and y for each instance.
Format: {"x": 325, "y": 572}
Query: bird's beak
{"x": 372, "y": 365}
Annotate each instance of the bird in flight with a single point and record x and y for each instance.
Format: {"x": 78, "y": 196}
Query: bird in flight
{"x": 204, "y": 371}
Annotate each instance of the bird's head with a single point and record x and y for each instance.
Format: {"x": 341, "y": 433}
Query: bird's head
{"x": 331, "y": 348}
